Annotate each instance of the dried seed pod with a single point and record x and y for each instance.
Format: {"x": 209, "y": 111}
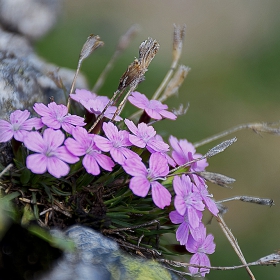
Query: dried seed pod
{"x": 216, "y": 178}
{"x": 178, "y": 38}
{"x": 136, "y": 70}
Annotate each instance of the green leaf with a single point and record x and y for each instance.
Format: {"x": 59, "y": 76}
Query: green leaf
{"x": 19, "y": 164}
{"x": 84, "y": 180}
{"x": 25, "y": 176}
{"x": 47, "y": 190}
{"x": 61, "y": 243}
{"x": 28, "y": 215}
{"x": 59, "y": 192}
{"x": 7, "y": 211}
{"x": 8, "y": 197}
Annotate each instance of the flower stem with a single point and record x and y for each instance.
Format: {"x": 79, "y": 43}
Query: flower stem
{"x": 233, "y": 242}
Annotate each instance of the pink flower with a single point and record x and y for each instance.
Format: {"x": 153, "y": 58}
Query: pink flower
{"x": 18, "y": 126}
{"x": 143, "y": 179}
{"x": 184, "y": 151}
{"x": 50, "y": 155}
{"x": 206, "y": 197}
{"x": 116, "y": 143}
{"x": 145, "y": 136}
{"x": 154, "y": 108}
{"x": 83, "y": 94}
{"x": 56, "y": 116}
{"x": 83, "y": 145}
{"x": 187, "y": 199}
{"x": 185, "y": 229}
{"x": 204, "y": 245}
{"x": 95, "y": 104}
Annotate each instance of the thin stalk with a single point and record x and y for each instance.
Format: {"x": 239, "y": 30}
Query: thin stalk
{"x": 124, "y": 41}
{"x": 256, "y": 127}
{"x": 166, "y": 79}
{"x": 233, "y": 242}
{"x": 106, "y": 107}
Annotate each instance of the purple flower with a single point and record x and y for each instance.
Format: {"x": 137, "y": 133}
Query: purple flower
{"x": 18, "y": 126}
{"x": 83, "y": 145}
{"x": 116, "y": 143}
{"x": 95, "y": 104}
{"x": 200, "y": 248}
{"x": 50, "y": 155}
{"x": 184, "y": 151}
{"x": 144, "y": 136}
{"x": 187, "y": 199}
{"x": 154, "y": 108}
{"x": 206, "y": 197}
{"x": 56, "y": 116}
{"x": 143, "y": 179}
{"x": 185, "y": 229}
{"x": 83, "y": 94}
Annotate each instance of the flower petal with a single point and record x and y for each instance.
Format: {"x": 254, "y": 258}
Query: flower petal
{"x": 103, "y": 143}
{"x": 139, "y": 100}
{"x": 161, "y": 196}
{"x": 41, "y": 109}
{"x": 75, "y": 147}
{"x": 90, "y": 164}
{"x": 131, "y": 126}
{"x": 136, "y": 141}
{"x": 209, "y": 246}
{"x": 110, "y": 130}
{"x": 19, "y": 117}
{"x": 37, "y": 163}
{"x": 57, "y": 167}
{"x": 64, "y": 154}
{"x": 180, "y": 204}
{"x": 104, "y": 161}
{"x": 158, "y": 165}
{"x": 117, "y": 155}
{"x": 135, "y": 168}
{"x": 32, "y": 123}
{"x": 183, "y": 233}
{"x": 175, "y": 217}
{"x": 33, "y": 141}
{"x": 53, "y": 138}
{"x": 139, "y": 185}
{"x": 6, "y": 131}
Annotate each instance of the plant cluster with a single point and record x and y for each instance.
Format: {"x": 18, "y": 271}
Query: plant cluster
{"x": 119, "y": 175}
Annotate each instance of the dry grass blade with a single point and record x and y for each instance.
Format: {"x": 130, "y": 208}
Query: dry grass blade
{"x": 92, "y": 43}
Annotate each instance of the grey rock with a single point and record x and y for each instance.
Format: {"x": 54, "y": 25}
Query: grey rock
{"x": 100, "y": 258}
{"x": 25, "y": 80}
{"x": 31, "y": 18}
{"x": 94, "y": 252}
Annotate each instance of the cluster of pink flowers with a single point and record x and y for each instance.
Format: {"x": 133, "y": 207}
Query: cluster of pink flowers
{"x": 63, "y": 140}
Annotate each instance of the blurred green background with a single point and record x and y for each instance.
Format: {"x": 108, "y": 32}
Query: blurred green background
{"x": 233, "y": 49}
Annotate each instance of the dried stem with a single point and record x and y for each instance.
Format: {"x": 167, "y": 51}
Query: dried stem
{"x": 122, "y": 45}
{"x": 232, "y": 240}
{"x": 91, "y": 44}
{"x": 110, "y": 231}
{"x": 178, "y": 37}
{"x": 175, "y": 83}
{"x": 257, "y": 127}
{"x": 121, "y": 106}
{"x": 213, "y": 151}
{"x": 110, "y": 103}
{"x": 6, "y": 169}
{"x": 272, "y": 259}
{"x": 133, "y": 75}
{"x": 250, "y": 199}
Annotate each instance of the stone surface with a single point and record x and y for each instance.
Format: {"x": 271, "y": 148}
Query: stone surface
{"x": 25, "y": 80}
{"x": 31, "y": 18}
{"x": 98, "y": 257}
